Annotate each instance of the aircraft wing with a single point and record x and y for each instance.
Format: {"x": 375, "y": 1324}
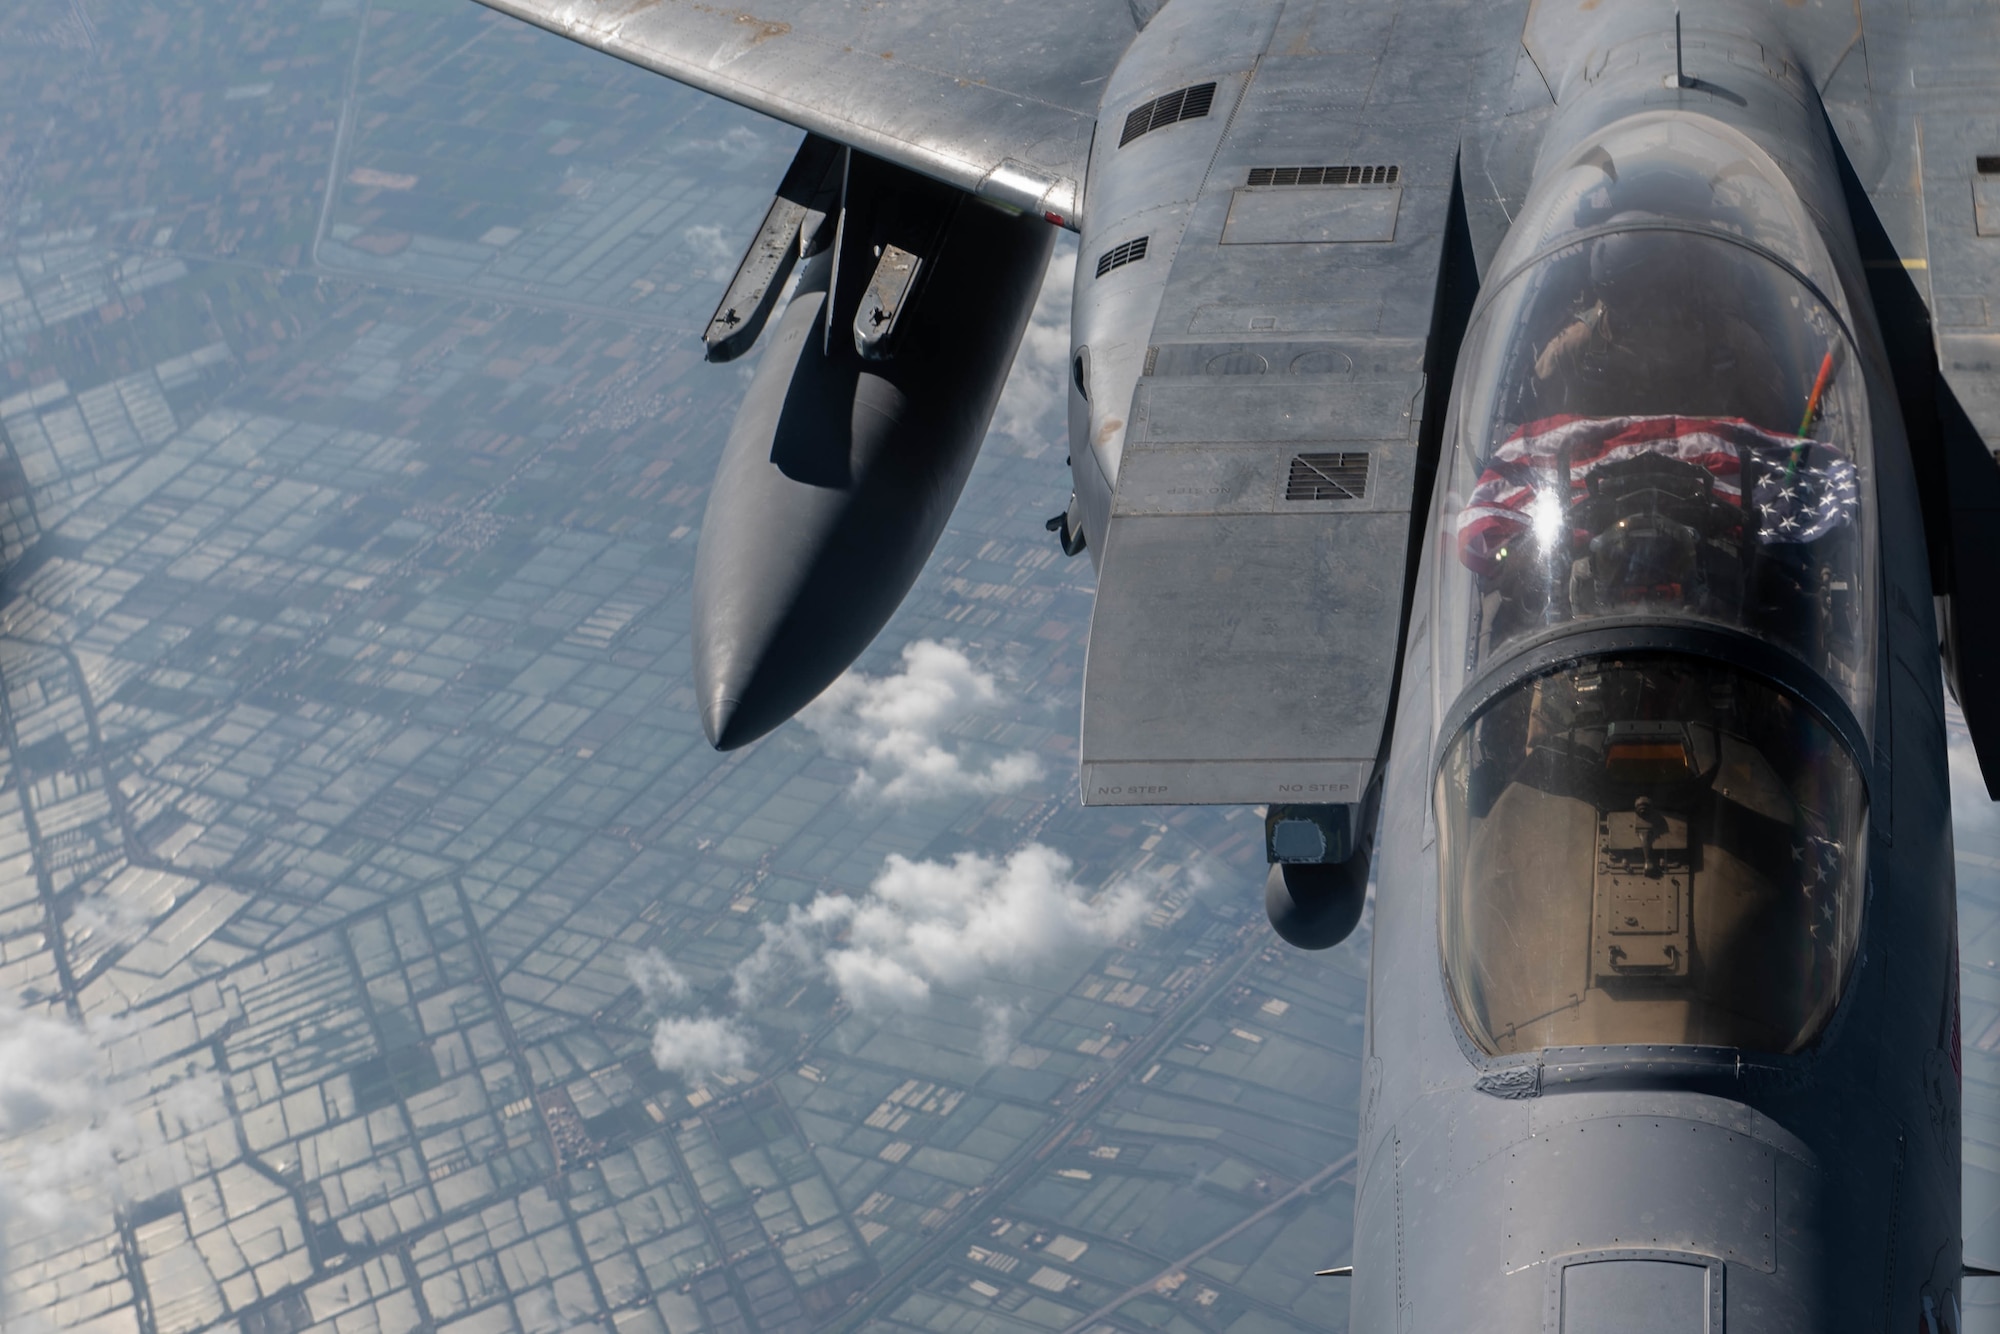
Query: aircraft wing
{"x": 1000, "y": 100}
{"x": 1916, "y": 105}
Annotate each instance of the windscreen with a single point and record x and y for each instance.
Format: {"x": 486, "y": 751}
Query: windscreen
{"x": 1661, "y": 418}
{"x": 1648, "y": 850}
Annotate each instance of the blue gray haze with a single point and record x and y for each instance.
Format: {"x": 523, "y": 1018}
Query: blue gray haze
{"x": 381, "y": 948}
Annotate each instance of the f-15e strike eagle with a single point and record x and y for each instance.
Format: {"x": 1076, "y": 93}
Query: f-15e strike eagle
{"x": 1540, "y": 451}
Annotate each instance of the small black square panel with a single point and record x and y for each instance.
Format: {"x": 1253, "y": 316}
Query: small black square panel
{"x": 1328, "y": 477}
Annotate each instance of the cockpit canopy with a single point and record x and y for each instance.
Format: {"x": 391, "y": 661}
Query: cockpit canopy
{"x": 1660, "y": 416}
{"x": 1660, "y": 420}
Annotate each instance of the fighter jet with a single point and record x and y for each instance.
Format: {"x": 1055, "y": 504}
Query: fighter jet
{"x": 1540, "y": 452}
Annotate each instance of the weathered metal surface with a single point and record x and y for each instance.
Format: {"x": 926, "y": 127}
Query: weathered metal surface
{"x": 999, "y": 102}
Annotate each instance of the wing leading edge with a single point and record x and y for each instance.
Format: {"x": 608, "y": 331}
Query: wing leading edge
{"x": 997, "y": 100}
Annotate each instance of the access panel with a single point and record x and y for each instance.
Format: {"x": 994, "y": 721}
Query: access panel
{"x": 1250, "y": 597}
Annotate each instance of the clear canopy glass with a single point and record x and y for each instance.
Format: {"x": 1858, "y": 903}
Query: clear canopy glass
{"x": 1648, "y": 850}
{"x": 1659, "y": 417}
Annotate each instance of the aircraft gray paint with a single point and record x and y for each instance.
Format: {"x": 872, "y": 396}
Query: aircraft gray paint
{"x": 1539, "y": 451}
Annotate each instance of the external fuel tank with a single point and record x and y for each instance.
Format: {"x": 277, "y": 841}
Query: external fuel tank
{"x": 855, "y": 438}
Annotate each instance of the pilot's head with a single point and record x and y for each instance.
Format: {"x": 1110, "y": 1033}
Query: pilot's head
{"x": 1622, "y": 261}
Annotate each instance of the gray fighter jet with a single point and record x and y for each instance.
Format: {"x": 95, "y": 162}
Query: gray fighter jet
{"x": 1540, "y": 451}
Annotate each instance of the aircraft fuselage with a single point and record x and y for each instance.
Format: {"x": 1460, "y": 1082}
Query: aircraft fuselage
{"x": 1662, "y": 1027}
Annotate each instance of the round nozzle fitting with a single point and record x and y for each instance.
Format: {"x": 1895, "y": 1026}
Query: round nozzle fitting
{"x": 1316, "y": 905}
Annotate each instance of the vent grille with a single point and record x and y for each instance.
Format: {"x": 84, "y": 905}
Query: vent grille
{"x": 1182, "y": 104}
{"x": 1131, "y": 252}
{"x": 1380, "y": 175}
{"x": 1988, "y": 164}
{"x": 1328, "y": 477}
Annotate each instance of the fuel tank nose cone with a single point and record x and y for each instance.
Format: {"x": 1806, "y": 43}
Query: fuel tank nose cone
{"x": 742, "y": 697}
{"x": 718, "y": 722}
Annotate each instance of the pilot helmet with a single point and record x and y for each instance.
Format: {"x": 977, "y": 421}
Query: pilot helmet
{"x": 1621, "y": 261}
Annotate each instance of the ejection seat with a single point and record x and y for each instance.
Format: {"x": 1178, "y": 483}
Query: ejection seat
{"x": 1658, "y": 533}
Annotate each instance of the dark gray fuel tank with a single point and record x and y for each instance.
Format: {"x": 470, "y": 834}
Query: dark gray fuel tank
{"x": 842, "y": 468}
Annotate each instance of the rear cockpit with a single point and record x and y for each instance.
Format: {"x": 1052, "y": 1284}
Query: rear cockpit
{"x": 1648, "y": 849}
{"x": 1656, "y": 611}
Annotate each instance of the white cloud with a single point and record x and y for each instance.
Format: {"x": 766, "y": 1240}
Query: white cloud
{"x": 659, "y": 982}
{"x": 708, "y": 251}
{"x": 49, "y": 1068}
{"x": 76, "y": 1140}
{"x": 790, "y": 949}
{"x": 896, "y": 727}
{"x": 1033, "y": 407}
{"x": 697, "y": 1046}
{"x": 996, "y": 1034}
{"x": 692, "y": 1046}
{"x": 738, "y": 141}
{"x": 955, "y": 925}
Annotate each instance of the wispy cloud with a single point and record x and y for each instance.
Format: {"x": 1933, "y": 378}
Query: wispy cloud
{"x": 1001, "y": 1021}
{"x": 70, "y": 1131}
{"x": 1033, "y": 407}
{"x": 956, "y": 925}
{"x": 708, "y": 255}
{"x": 100, "y": 922}
{"x": 659, "y": 982}
{"x": 738, "y": 141}
{"x": 898, "y": 727}
{"x": 51, "y": 1078}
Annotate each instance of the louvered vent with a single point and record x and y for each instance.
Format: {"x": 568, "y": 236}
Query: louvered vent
{"x": 1182, "y": 104}
{"x": 1327, "y": 477}
{"x": 1131, "y": 252}
{"x": 1988, "y": 164}
{"x": 1325, "y": 175}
